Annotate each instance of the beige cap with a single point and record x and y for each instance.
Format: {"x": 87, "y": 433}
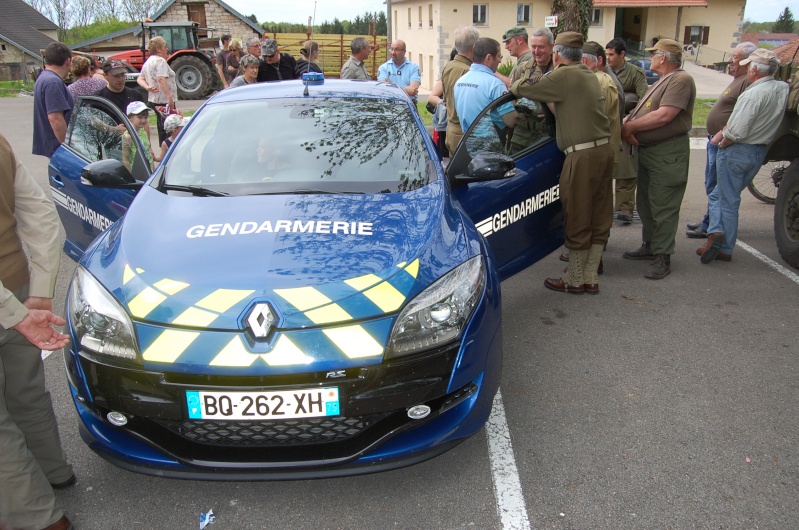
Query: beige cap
{"x": 761, "y": 56}
{"x": 667, "y": 45}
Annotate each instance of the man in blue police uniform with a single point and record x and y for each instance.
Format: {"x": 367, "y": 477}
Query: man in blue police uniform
{"x": 479, "y": 86}
{"x": 400, "y": 71}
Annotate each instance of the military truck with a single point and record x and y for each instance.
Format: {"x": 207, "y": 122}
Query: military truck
{"x": 785, "y": 148}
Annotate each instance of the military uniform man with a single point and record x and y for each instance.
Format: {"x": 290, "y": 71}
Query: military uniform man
{"x": 583, "y": 133}
{"x": 633, "y": 80}
{"x": 465, "y": 38}
{"x": 531, "y": 124}
{"x": 659, "y": 127}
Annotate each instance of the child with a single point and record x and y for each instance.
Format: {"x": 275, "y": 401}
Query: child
{"x": 172, "y": 126}
{"x": 138, "y": 114}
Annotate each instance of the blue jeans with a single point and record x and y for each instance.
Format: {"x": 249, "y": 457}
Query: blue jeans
{"x": 710, "y": 180}
{"x": 736, "y": 166}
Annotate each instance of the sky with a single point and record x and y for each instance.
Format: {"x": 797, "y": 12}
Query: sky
{"x": 326, "y": 10}
{"x": 299, "y": 10}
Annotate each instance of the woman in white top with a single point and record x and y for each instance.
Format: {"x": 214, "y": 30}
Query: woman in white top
{"x": 158, "y": 78}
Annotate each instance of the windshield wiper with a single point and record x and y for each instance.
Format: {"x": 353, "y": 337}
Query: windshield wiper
{"x": 195, "y": 190}
{"x": 306, "y": 191}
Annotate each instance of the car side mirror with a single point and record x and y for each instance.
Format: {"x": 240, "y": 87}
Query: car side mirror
{"x": 109, "y": 173}
{"x": 488, "y": 166}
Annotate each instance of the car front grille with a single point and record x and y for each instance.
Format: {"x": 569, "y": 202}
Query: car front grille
{"x": 271, "y": 433}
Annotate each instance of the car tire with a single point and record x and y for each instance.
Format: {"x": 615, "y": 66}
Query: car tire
{"x": 786, "y": 216}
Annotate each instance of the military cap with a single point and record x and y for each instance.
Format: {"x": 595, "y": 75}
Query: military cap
{"x": 593, "y": 48}
{"x": 667, "y": 45}
{"x": 572, "y": 39}
{"x": 761, "y": 56}
{"x": 515, "y": 31}
{"x": 269, "y": 47}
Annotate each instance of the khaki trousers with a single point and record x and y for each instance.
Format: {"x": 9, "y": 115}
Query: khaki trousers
{"x": 626, "y": 177}
{"x": 31, "y": 456}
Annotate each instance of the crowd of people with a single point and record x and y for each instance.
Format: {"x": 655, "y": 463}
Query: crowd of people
{"x": 613, "y": 126}
{"x": 609, "y": 124}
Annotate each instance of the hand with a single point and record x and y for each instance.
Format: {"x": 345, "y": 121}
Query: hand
{"x": 628, "y": 135}
{"x": 38, "y": 302}
{"x": 152, "y": 88}
{"x": 37, "y": 327}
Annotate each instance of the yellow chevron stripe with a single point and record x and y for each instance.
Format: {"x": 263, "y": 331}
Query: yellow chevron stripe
{"x": 354, "y": 341}
{"x": 327, "y": 314}
{"x": 413, "y": 268}
{"x": 169, "y": 345}
{"x": 223, "y": 299}
{"x": 362, "y": 283}
{"x": 144, "y": 302}
{"x": 303, "y": 298}
{"x": 285, "y": 353}
{"x": 170, "y": 286}
{"x": 385, "y": 296}
{"x": 195, "y": 317}
{"x": 234, "y": 354}
{"x": 128, "y": 275}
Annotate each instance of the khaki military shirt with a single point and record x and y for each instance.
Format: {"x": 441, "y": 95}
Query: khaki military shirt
{"x": 523, "y": 64}
{"x": 579, "y": 105}
{"x": 720, "y": 113}
{"x": 676, "y": 89}
{"x": 354, "y": 69}
{"x": 611, "y": 95}
{"x": 453, "y": 71}
{"x": 633, "y": 79}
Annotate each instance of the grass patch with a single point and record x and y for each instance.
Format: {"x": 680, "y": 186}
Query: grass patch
{"x": 701, "y": 110}
{"x": 11, "y": 89}
{"x": 427, "y": 118}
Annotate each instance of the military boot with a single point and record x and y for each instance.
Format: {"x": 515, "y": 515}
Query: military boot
{"x": 642, "y": 252}
{"x": 591, "y": 271}
{"x": 572, "y": 279}
{"x": 660, "y": 268}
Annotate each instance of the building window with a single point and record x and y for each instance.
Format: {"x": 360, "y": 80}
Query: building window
{"x": 3, "y": 47}
{"x": 596, "y": 17}
{"x": 523, "y": 12}
{"x": 430, "y": 15}
{"x": 480, "y": 14}
{"x": 409, "y": 18}
{"x": 696, "y": 35}
{"x": 396, "y": 22}
{"x": 420, "y": 16}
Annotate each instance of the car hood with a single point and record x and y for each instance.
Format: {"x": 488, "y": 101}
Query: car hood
{"x": 316, "y": 260}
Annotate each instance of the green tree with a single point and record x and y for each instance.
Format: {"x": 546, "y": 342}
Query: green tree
{"x": 253, "y": 18}
{"x": 96, "y": 29}
{"x": 573, "y": 15}
{"x": 784, "y": 24}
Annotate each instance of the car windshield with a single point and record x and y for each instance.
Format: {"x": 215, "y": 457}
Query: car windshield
{"x": 301, "y": 145}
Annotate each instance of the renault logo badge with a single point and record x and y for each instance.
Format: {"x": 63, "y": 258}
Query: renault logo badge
{"x": 261, "y": 320}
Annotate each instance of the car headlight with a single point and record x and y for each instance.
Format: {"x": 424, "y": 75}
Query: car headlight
{"x": 438, "y": 315}
{"x": 101, "y": 324}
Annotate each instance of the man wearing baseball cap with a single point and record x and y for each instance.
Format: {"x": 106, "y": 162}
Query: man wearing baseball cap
{"x": 515, "y": 40}
{"x": 658, "y": 127}
{"x": 583, "y": 134}
{"x": 742, "y": 149}
{"x": 116, "y": 92}
{"x": 276, "y": 66}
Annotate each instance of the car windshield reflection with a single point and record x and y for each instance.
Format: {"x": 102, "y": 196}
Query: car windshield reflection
{"x": 334, "y": 145}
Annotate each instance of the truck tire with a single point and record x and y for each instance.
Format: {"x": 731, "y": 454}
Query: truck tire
{"x": 786, "y": 216}
{"x": 192, "y": 75}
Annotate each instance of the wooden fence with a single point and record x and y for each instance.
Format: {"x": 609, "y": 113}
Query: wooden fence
{"x": 334, "y": 50}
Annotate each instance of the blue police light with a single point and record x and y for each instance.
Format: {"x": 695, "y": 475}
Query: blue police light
{"x": 313, "y": 78}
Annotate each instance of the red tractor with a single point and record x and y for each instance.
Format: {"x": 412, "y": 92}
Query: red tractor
{"x": 195, "y": 70}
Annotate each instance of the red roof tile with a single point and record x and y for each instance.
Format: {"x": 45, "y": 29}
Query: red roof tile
{"x": 650, "y": 3}
{"x": 788, "y": 52}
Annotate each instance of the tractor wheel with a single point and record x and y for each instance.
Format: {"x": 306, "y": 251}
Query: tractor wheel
{"x": 786, "y": 216}
{"x": 193, "y": 77}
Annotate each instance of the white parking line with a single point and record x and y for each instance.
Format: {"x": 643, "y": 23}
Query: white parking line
{"x": 45, "y": 354}
{"x": 768, "y": 261}
{"x": 507, "y": 486}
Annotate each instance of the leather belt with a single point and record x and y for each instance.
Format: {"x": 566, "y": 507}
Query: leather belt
{"x": 586, "y": 145}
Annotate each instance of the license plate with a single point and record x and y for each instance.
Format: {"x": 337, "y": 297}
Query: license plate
{"x": 281, "y": 405}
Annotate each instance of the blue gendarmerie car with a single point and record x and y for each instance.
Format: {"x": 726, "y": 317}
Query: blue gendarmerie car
{"x": 299, "y": 289}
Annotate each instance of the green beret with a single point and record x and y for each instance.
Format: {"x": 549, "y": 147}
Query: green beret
{"x": 572, "y": 39}
{"x": 515, "y": 31}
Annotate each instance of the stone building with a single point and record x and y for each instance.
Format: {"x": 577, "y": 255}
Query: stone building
{"x": 23, "y": 33}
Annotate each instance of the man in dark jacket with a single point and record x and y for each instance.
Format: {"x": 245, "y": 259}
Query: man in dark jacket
{"x": 275, "y": 66}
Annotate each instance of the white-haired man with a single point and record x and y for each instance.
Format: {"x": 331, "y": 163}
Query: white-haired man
{"x": 465, "y": 38}
{"x": 742, "y": 149}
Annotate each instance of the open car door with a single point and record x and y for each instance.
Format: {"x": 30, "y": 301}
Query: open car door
{"x": 519, "y": 213}
{"x": 94, "y": 135}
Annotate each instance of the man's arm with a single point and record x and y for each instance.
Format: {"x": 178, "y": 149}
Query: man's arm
{"x": 505, "y": 79}
{"x": 59, "y": 125}
{"x": 653, "y": 120}
{"x": 38, "y": 227}
{"x": 164, "y": 87}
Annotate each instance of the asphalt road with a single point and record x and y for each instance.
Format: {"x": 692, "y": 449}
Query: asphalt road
{"x": 656, "y": 404}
